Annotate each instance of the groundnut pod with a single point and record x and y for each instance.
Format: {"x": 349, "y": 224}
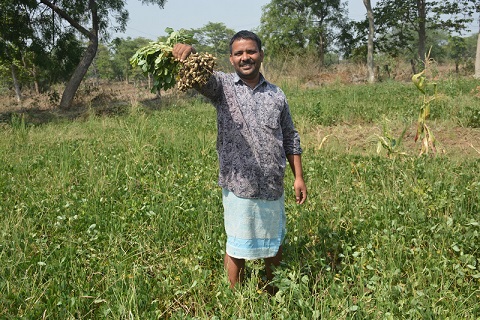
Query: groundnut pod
{"x": 195, "y": 70}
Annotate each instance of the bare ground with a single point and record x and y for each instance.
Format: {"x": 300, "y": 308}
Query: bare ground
{"x": 362, "y": 139}
{"x": 104, "y": 99}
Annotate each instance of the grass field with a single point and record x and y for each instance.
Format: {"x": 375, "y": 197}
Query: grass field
{"x": 120, "y": 217}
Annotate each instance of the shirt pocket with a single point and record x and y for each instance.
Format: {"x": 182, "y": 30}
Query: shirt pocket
{"x": 271, "y": 118}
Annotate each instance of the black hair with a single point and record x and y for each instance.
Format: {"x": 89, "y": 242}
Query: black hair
{"x": 245, "y": 34}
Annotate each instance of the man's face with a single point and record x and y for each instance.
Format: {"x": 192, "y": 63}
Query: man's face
{"x": 246, "y": 58}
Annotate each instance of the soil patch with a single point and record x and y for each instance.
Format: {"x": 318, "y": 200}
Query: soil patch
{"x": 362, "y": 139}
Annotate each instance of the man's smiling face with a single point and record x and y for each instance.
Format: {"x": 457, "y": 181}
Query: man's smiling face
{"x": 246, "y": 58}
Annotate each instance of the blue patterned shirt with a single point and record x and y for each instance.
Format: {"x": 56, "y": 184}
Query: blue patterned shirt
{"x": 255, "y": 133}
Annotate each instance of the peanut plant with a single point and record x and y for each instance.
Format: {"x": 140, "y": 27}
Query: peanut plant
{"x": 157, "y": 59}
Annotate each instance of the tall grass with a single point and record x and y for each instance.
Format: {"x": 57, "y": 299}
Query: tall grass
{"x": 363, "y": 103}
{"x": 120, "y": 217}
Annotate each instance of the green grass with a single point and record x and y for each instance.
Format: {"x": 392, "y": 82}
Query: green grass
{"x": 120, "y": 217}
{"x": 457, "y": 101}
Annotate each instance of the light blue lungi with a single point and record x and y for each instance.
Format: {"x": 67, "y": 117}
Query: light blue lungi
{"x": 255, "y": 228}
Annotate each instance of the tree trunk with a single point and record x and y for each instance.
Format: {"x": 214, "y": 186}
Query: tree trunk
{"x": 16, "y": 85}
{"x": 412, "y": 64}
{"x": 321, "y": 50}
{"x": 371, "y": 32}
{"x": 78, "y": 75}
{"x": 422, "y": 33}
{"x": 96, "y": 76}
{"x": 35, "y": 80}
{"x": 87, "y": 58}
{"x": 477, "y": 58}
{"x": 33, "y": 72}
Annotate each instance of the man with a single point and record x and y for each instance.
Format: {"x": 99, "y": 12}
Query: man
{"x": 256, "y": 136}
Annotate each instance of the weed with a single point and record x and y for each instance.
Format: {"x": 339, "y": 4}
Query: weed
{"x": 388, "y": 142}
{"x": 473, "y": 117}
{"x": 423, "y": 130}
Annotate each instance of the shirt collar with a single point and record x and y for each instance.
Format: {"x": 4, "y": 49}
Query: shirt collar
{"x": 237, "y": 80}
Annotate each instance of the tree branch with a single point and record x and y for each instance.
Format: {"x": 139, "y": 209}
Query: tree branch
{"x": 65, "y": 16}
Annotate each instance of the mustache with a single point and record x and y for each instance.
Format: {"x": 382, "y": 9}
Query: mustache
{"x": 247, "y": 62}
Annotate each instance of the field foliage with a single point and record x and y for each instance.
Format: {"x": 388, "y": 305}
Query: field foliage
{"x": 120, "y": 217}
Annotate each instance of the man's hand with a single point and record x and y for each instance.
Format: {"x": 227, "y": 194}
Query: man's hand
{"x": 300, "y": 190}
{"x": 181, "y": 51}
{"x": 295, "y": 161}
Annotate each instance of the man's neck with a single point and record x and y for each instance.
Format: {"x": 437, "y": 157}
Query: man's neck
{"x": 252, "y": 83}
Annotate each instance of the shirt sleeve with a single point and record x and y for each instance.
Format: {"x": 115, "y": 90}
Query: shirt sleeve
{"x": 213, "y": 88}
{"x": 291, "y": 138}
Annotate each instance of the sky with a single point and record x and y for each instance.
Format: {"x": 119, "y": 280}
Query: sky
{"x": 149, "y": 21}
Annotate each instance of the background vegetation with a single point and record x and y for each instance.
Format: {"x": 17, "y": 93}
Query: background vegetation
{"x": 44, "y": 44}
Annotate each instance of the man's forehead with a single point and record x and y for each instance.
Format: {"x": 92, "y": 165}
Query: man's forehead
{"x": 244, "y": 44}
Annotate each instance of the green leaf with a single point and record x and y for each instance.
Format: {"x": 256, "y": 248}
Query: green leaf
{"x": 156, "y": 58}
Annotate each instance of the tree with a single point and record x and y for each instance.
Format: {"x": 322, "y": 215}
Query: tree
{"x": 293, "y": 26}
{"x": 102, "y": 64}
{"x": 477, "y": 56}
{"x": 97, "y": 13}
{"x": 283, "y": 34}
{"x": 123, "y": 50}
{"x": 371, "y": 33}
{"x": 398, "y": 21}
{"x": 215, "y": 39}
{"x": 457, "y": 50}
{"x": 15, "y": 34}
{"x": 33, "y": 47}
